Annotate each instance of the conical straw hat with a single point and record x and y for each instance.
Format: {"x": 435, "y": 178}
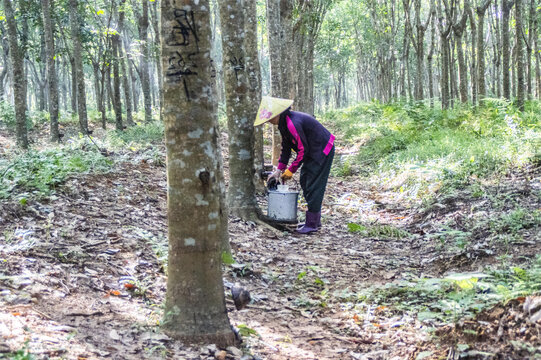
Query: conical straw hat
{"x": 270, "y": 107}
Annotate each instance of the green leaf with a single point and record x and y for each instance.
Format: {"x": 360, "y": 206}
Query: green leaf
{"x": 301, "y": 275}
{"x": 228, "y": 259}
{"x": 246, "y": 331}
{"x": 100, "y": 12}
{"x": 356, "y": 228}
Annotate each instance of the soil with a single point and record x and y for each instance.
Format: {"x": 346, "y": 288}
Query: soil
{"x": 82, "y": 274}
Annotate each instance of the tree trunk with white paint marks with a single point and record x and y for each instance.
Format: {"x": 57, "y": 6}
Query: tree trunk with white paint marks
{"x": 241, "y": 198}
{"x": 195, "y": 310}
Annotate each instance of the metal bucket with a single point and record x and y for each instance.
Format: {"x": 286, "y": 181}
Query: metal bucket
{"x": 283, "y": 205}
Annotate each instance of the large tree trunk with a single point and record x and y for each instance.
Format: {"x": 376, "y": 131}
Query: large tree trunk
{"x": 19, "y": 78}
{"x": 520, "y": 55}
{"x": 195, "y": 308}
{"x": 506, "y": 55}
{"x": 143, "y": 61}
{"x": 51, "y": 71}
{"x": 241, "y": 198}
{"x": 78, "y": 60}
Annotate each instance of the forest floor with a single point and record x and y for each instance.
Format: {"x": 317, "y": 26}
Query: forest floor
{"x": 82, "y": 273}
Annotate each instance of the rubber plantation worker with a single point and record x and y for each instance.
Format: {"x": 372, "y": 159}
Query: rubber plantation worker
{"x": 314, "y": 146}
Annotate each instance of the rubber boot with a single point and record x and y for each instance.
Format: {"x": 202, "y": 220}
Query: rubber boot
{"x": 312, "y": 220}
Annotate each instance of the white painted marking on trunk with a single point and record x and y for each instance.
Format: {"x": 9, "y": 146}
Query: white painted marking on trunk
{"x": 189, "y": 242}
{"x": 196, "y": 134}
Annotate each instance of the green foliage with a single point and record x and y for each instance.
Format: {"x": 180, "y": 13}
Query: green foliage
{"x": 22, "y": 354}
{"x": 148, "y": 133}
{"x": 410, "y": 147}
{"x": 378, "y": 231}
{"x": 456, "y": 296}
{"x": 40, "y": 172}
{"x": 246, "y": 331}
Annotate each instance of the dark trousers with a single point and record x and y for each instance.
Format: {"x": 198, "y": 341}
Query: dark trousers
{"x": 314, "y": 181}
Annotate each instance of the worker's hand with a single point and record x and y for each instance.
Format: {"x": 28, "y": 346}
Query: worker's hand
{"x": 286, "y": 175}
{"x": 276, "y": 174}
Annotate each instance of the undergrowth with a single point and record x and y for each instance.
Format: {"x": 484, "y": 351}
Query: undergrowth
{"x": 135, "y": 136}
{"x": 455, "y": 297}
{"x": 38, "y": 173}
{"x": 410, "y": 148}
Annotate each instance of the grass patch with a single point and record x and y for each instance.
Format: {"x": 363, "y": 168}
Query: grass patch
{"x": 409, "y": 148}
{"x": 38, "y": 173}
{"x": 135, "y": 136}
{"x": 456, "y": 296}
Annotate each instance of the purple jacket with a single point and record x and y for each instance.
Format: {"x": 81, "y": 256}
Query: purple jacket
{"x": 306, "y": 136}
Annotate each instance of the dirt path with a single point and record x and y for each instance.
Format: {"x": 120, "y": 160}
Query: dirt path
{"x": 82, "y": 277}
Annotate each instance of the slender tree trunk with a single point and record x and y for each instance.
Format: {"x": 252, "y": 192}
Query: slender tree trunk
{"x": 506, "y": 9}
{"x": 143, "y": 61}
{"x": 481, "y": 11}
{"x": 116, "y": 83}
{"x": 195, "y": 310}
{"x": 156, "y": 26}
{"x": 531, "y": 34}
{"x": 520, "y": 55}
{"x": 273, "y": 28}
{"x": 78, "y": 60}
{"x": 19, "y": 78}
{"x": 73, "y": 86}
{"x": 474, "y": 85}
{"x": 123, "y": 68}
{"x": 51, "y": 70}
{"x": 254, "y": 79}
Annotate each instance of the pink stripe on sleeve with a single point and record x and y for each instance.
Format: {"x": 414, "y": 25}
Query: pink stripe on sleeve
{"x": 300, "y": 154}
{"x": 329, "y": 146}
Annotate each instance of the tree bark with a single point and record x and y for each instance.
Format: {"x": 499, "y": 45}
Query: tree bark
{"x": 19, "y": 78}
{"x": 473, "y": 67}
{"x": 143, "y": 60}
{"x": 241, "y": 198}
{"x": 507, "y": 5}
{"x": 117, "y": 104}
{"x": 520, "y": 55}
{"x": 195, "y": 310}
{"x": 481, "y": 11}
{"x": 254, "y": 80}
{"x": 73, "y": 82}
{"x": 156, "y": 26}
{"x": 46, "y": 5}
{"x": 273, "y": 30}
{"x": 123, "y": 67}
{"x": 78, "y": 62}
{"x": 458, "y": 30}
